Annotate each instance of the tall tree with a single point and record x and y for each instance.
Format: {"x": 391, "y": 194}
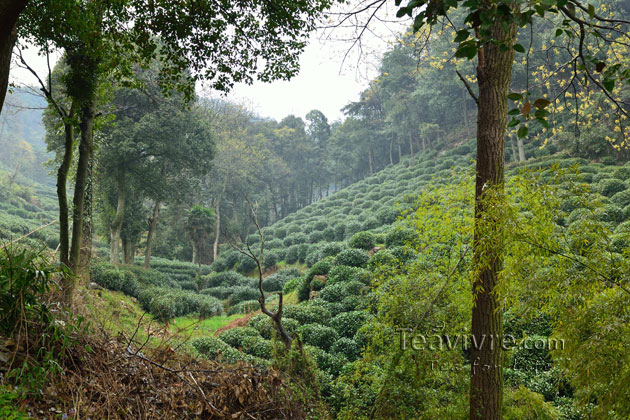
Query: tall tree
{"x": 221, "y": 43}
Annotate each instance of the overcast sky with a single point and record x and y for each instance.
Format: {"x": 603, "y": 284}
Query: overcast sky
{"x": 325, "y": 81}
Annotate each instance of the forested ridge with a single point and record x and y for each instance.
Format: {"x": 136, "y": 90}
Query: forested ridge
{"x": 455, "y": 247}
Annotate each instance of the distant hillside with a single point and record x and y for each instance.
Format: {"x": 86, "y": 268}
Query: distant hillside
{"x": 26, "y": 205}
{"x": 22, "y": 135}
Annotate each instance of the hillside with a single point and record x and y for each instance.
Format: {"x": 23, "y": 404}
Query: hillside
{"x": 324, "y": 256}
{"x": 25, "y": 206}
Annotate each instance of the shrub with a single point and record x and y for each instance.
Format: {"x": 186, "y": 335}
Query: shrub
{"x": 277, "y": 280}
{"x": 352, "y": 228}
{"x": 303, "y": 289}
{"x": 334, "y": 292}
{"x": 318, "y": 335}
{"x": 258, "y": 347}
{"x": 403, "y": 254}
{"x": 245, "y": 264}
{"x": 343, "y": 273}
{"x": 329, "y": 234}
{"x": 340, "y": 232}
{"x": 227, "y": 279}
{"x": 244, "y": 307}
{"x": 347, "y": 347}
{"x": 348, "y": 323}
{"x": 270, "y": 259}
{"x": 168, "y": 303}
{"x": 291, "y": 285}
{"x": 292, "y": 228}
{"x": 316, "y": 236}
{"x": 243, "y": 293}
{"x": 609, "y": 187}
{"x": 302, "y": 251}
{"x": 307, "y": 313}
{"x": 383, "y": 258}
{"x": 274, "y": 244}
{"x": 280, "y": 233}
{"x": 236, "y": 336}
{"x": 317, "y": 283}
{"x": 329, "y": 363}
{"x": 295, "y": 239}
{"x": 331, "y": 249}
{"x": 399, "y": 236}
{"x": 215, "y": 349}
{"x": 352, "y": 258}
{"x": 320, "y": 268}
{"x": 231, "y": 258}
{"x": 220, "y": 264}
{"x": 362, "y": 240}
{"x": 219, "y": 292}
{"x": 189, "y": 285}
{"x": 622, "y": 173}
{"x": 622, "y": 198}
{"x": 611, "y": 213}
{"x": 370, "y": 223}
{"x": 292, "y": 255}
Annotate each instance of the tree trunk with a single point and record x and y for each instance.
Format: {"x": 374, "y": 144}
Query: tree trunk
{"x": 413, "y": 160}
{"x": 370, "y": 160}
{"x": 128, "y": 250}
{"x": 85, "y": 253}
{"x": 62, "y": 193}
{"x": 513, "y": 147}
{"x": 399, "y": 152}
{"x": 521, "y": 149}
{"x": 195, "y": 253}
{"x": 9, "y": 12}
{"x": 152, "y": 227}
{"x": 494, "y": 70}
{"x": 115, "y": 226}
{"x": 215, "y": 245}
{"x": 88, "y": 111}
{"x": 391, "y": 146}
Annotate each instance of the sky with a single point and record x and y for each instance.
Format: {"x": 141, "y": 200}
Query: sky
{"x": 326, "y": 81}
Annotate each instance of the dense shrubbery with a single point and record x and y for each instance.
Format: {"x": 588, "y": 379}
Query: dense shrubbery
{"x": 170, "y": 303}
{"x": 352, "y": 258}
{"x": 399, "y": 236}
{"x": 307, "y": 313}
{"x": 318, "y": 335}
{"x": 362, "y": 240}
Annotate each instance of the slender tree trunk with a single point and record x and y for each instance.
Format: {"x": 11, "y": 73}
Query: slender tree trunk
{"x": 513, "y": 147}
{"x": 465, "y": 110}
{"x": 9, "y": 12}
{"x": 88, "y": 111}
{"x": 115, "y": 226}
{"x": 521, "y": 149}
{"x": 494, "y": 70}
{"x": 391, "y": 146}
{"x": 85, "y": 254}
{"x": 195, "y": 253}
{"x": 152, "y": 228}
{"x": 217, "y": 228}
{"x": 370, "y": 160}
{"x": 62, "y": 192}
{"x": 413, "y": 159}
{"x": 399, "y": 152}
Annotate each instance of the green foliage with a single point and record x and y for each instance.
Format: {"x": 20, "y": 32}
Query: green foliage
{"x": 352, "y": 258}
{"x": 343, "y": 273}
{"x": 318, "y": 335}
{"x": 347, "y": 347}
{"x": 362, "y": 240}
{"x": 399, "y": 236}
{"x": 610, "y": 187}
{"x": 8, "y": 406}
{"x": 317, "y": 284}
{"x": 307, "y": 313}
{"x": 166, "y": 304}
{"x": 348, "y": 323}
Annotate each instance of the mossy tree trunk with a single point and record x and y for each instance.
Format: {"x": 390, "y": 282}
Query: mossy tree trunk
{"x": 494, "y": 71}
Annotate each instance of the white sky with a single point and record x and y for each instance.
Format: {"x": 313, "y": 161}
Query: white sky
{"x": 325, "y": 81}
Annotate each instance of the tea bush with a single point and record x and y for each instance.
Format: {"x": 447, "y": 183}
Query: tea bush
{"x": 362, "y": 240}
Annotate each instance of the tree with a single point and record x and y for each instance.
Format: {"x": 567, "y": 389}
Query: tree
{"x": 489, "y": 32}
{"x": 200, "y": 223}
{"x": 9, "y": 12}
{"x": 220, "y": 43}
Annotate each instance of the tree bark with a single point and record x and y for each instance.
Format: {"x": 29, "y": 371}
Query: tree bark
{"x": 195, "y": 253}
{"x": 9, "y": 12}
{"x": 152, "y": 228}
{"x": 521, "y": 150}
{"x": 62, "y": 193}
{"x": 85, "y": 253}
{"x": 413, "y": 159}
{"x": 370, "y": 160}
{"x": 514, "y": 153}
{"x": 115, "y": 226}
{"x": 494, "y": 70}
{"x": 391, "y": 146}
{"x": 88, "y": 111}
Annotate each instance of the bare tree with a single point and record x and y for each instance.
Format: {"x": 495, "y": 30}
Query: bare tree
{"x": 258, "y": 258}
